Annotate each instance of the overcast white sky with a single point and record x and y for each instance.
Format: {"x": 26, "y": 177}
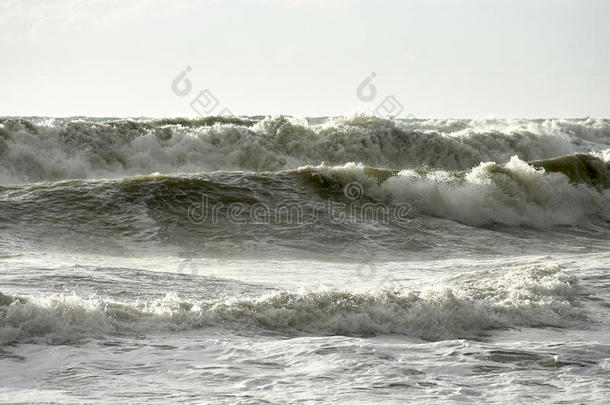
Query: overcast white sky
{"x": 439, "y": 58}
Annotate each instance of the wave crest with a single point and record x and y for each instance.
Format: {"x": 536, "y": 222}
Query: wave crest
{"x": 515, "y": 193}
{"x": 465, "y": 307}
{"x": 53, "y": 149}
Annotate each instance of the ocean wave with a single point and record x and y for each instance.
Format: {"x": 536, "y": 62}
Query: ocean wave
{"x": 564, "y": 191}
{"x": 54, "y": 149}
{"x": 303, "y": 206}
{"x": 580, "y": 168}
{"x": 468, "y": 306}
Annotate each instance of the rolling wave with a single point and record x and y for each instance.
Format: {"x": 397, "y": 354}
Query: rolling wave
{"x": 34, "y": 150}
{"x": 309, "y": 206}
{"x": 579, "y": 168}
{"x": 571, "y": 192}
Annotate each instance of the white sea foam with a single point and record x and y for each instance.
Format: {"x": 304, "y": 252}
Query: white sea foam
{"x": 513, "y": 194}
{"x": 57, "y": 149}
{"x": 467, "y": 306}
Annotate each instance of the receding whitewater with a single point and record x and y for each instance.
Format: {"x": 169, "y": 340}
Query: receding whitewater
{"x": 282, "y": 260}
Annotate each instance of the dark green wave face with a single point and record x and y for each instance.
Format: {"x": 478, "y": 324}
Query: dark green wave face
{"x": 323, "y": 211}
{"x": 579, "y": 168}
{"x": 205, "y": 213}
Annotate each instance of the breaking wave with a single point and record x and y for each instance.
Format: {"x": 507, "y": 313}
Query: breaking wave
{"x": 571, "y": 190}
{"x": 39, "y": 149}
{"x": 112, "y": 214}
{"x": 468, "y": 306}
